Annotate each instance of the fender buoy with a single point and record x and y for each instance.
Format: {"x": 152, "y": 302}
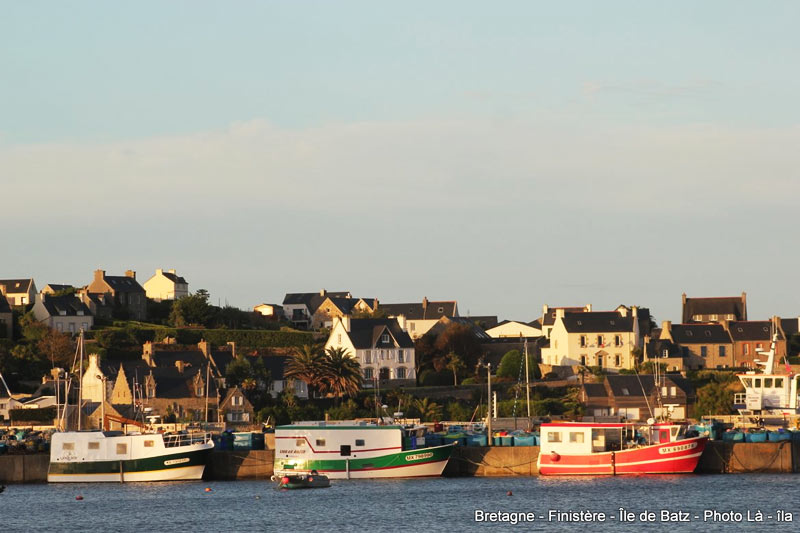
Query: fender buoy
{"x": 310, "y": 479}
{"x": 284, "y": 480}
{"x": 79, "y": 498}
{"x": 208, "y": 489}
{"x": 554, "y": 456}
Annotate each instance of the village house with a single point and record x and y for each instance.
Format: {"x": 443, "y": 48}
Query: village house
{"x": 548, "y": 319}
{"x": 53, "y": 288}
{"x": 701, "y": 345}
{"x": 236, "y": 409}
{"x": 269, "y": 311}
{"x": 607, "y": 339}
{"x": 66, "y": 314}
{"x": 18, "y": 292}
{"x": 638, "y": 397}
{"x": 715, "y": 309}
{"x": 750, "y": 337}
{"x": 299, "y": 308}
{"x": 128, "y": 297}
{"x": 332, "y": 308}
{"x": 422, "y": 316}
{"x": 166, "y": 285}
{"x": 381, "y": 346}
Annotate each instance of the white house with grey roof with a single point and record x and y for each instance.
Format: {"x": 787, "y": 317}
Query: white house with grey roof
{"x": 67, "y": 314}
{"x": 166, "y": 285}
{"x": 590, "y": 338}
{"x": 420, "y": 317}
{"x": 381, "y": 346}
{"x": 18, "y": 291}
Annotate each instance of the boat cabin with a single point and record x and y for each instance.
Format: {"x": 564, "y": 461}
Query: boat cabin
{"x": 767, "y": 392}
{"x": 583, "y": 438}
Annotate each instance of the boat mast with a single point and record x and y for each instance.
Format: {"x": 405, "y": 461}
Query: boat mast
{"x": 80, "y": 380}
{"x": 527, "y": 383}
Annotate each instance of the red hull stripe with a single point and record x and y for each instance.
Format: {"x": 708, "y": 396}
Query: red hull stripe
{"x": 337, "y": 451}
{"x": 386, "y": 467}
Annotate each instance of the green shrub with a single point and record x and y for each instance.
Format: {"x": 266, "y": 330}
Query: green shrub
{"x": 46, "y": 415}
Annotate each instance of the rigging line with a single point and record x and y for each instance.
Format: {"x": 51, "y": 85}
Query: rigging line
{"x": 647, "y": 401}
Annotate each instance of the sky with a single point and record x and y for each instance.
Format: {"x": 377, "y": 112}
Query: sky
{"x": 505, "y": 155}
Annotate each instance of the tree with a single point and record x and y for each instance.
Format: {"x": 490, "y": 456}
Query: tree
{"x": 192, "y": 310}
{"x": 307, "y": 364}
{"x": 58, "y": 347}
{"x": 511, "y": 362}
{"x": 713, "y": 398}
{"x": 427, "y": 410}
{"x": 238, "y": 371}
{"x": 342, "y": 373}
{"x": 456, "y": 364}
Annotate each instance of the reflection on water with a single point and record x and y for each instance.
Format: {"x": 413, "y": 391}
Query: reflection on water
{"x": 397, "y": 505}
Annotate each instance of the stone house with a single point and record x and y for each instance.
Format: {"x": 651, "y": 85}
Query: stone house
{"x": 332, "y": 308}
{"x": 715, "y": 309}
{"x": 750, "y": 337}
{"x": 700, "y": 345}
{"x": 420, "y": 316}
{"x": 128, "y": 297}
{"x": 235, "y": 408}
{"x": 299, "y": 308}
{"x": 166, "y": 285}
{"x": 639, "y": 397}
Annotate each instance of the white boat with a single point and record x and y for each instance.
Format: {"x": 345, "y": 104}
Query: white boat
{"x": 768, "y": 393}
{"x": 92, "y": 456}
{"x": 357, "y": 450}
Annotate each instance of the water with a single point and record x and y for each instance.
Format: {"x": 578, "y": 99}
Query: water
{"x": 398, "y": 505}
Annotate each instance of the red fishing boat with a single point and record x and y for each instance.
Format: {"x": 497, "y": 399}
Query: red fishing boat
{"x": 580, "y": 448}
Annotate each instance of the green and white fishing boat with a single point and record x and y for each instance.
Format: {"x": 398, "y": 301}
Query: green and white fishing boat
{"x": 357, "y": 450}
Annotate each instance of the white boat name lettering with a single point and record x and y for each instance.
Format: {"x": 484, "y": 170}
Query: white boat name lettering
{"x": 176, "y": 461}
{"x": 419, "y": 456}
{"x": 680, "y": 448}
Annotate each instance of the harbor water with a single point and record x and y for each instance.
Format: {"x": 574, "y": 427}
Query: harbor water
{"x": 433, "y": 504}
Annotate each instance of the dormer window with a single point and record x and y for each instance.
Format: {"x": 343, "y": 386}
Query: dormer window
{"x": 441, "y": 309}
{"x": 688, "y": 333}
{"x": 708, "y": 333}
{"x": 385, "y": 338}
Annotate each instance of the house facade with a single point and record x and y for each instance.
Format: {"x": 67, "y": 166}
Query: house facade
{"x": 750, "y": 337}
{"x": 236, "y": 409}
{"x": 166, "y": 285}
{"x": 127, "y": 296}
{"x": 420, "y": 316}
{"x": 67, "y": 314}
{"x": 639, "y": 397}
{"x": 549, "y": 314}
{"x": 700, "y": 345}
{"x": 514, "y": 329}
{"x": 380, "y": 345}
{"x": 299, "y": 307}
{"x": 271, "y": 311}
{"x": 332, "y": 308}
{"x": 604, "y": 339}
{"x": 18, "y": 292}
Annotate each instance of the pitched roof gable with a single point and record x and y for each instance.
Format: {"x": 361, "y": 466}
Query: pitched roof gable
{"x": 700, "y": 334}
{"x": 16, "y": 285}
{"x": 757, "y": 330}
{"x": 64, "y": 306}
{"x": 123, "y": 284}
{"x": 365, "y": 333}
{"x": 420, "y": 310}
{"x": 597, "y": 322}
{"x": 720, "y": 306}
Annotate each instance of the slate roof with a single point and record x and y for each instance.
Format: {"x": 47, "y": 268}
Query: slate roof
{"x": 733, "y": 305}
{"x": 760, "y": 330}
{"x": 790, "y": 326}
{"x": 595, "y": 390}
{"x": 700, "y": 334}
{"x": 16, "y": 285}
{"x": 550, "y": 317}
{"x": 365, "y": 333}
{"x": 55, "y": 287}
{"x": 275, "y": 364}
{"x": 4, "y": 307}
{"x": 170, "y": 383}
{"x": 597, "y": 322}
{"x": 174, "y": 277}
{"x": 486, "y": 322}
{"x": 416, "y": 311}
{"x": 167, "y": 358}
{"x": 68, "y": 305}
{"x": 123, "y": 284}
{"x": 536, "y": 323}
{"x": 656, "y": 347}
{"x": 635, "y": 383}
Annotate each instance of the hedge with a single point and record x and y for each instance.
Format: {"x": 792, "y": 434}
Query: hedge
{"x": 45, "y": 415}
{"x": 249, "y": 338}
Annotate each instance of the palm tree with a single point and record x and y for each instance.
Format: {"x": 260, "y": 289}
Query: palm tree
{"x": 308, "y": 365}
{"x": 342, "y": 373}
{"x": 428, "y": 411}
{"x": 454, "y": 363}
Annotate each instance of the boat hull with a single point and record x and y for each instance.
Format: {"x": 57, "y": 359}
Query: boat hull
{"x": 187, "y": 465}
{"x": 675, "y": 457}
{"x": 423, "y": 462}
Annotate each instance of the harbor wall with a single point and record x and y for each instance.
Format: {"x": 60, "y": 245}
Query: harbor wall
{"x": 228, "y": 466}
{"x": 495, "y": 461}
{"x": 24, "y": 468}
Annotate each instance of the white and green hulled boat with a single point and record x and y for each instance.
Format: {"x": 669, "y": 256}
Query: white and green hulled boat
{"x": 357, "y": 450}
{"x": 96, "y": 456}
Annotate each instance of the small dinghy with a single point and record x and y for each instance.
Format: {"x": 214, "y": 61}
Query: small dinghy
{"x": 312, "y": 480}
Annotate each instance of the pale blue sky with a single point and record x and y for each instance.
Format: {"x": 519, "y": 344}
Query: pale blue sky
{"x": 504, "y": 154}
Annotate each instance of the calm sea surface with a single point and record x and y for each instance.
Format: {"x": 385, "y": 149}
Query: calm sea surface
{"x": 405, "y": 505}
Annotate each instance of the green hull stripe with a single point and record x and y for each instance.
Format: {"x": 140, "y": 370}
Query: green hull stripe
{"x": 195, "y": 458}
{"x": 392, "y": 460}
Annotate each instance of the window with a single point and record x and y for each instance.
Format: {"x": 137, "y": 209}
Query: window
{"x": 299, "y": 443}
{"x": 759, "y": 346}
{"x": 122, "y": 448}
{"x": 599, "y": 360}
{"x": 664, "y": 392}
{"x": 368, "y": 373}
{"x": 583, "y": 341}
{"x": 441, "y": 310}
{"x": 94, "y": 445}
{"x": 778, "y": 383}
{"x": 576, "y": 436}
{"x": 344, "y": 450}
{"x": 767, "y": 383}
{"x": 583, "y": 360}
{"x": 338, "y": 338}
{"x": 400, "y": 356}
{"x": 673, "y": 391}
{"x": 320, "y": 442}
{"x": 746, "y": 349}
{"x": 617, "y": 340}
{"x": 149, "y": 444}
{"x": 665, "y": 353}
{"x": 401, "y": 373}
{"x": 625, "y": 392}
{"x": 600, "y": 340}
{"x": 757, "y": 383}
{"x": 68, "y": 446}
{"x": 553, "y": 436}
{"x": 385, "y": 338}
{"x": 359, "y": 442}
{"x": 708, "y": 333}
{"x": 367, "y": 357}
{"x": 616, "y": 360}
{"x": 688, "y": 333}
{"x": 704, "y": 351}
{"x": 722, "y": 351}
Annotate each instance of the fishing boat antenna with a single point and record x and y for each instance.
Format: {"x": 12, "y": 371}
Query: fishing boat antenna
{"x": 80, "y": 380}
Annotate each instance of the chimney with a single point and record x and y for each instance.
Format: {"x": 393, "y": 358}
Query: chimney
{"x": 744, "y": 305}
{"x": 171, "y": 271}
{"x": 130, "y": 274}
{"x": 147, "y": 353}
{"x": 545, "y": 310}
{"x": 99, "y": 275}
{"x": 666, "y": 330}
{"x": 683, "y": 299}
{"x": 323, "y": 292}
{"x": 205, "y": 348}
{"x": 345, "y": 322}
{"x": 623, "y": 311}
{"x": 559, "y": 313}
{"x": 232, "y": 344}
{"x": 401, "y": 320}
{"x": 588, "y": 308}
{"x": 635, "y": 312}
{"x": 180, "y": 365}
{"x": 159, "y": 272}
{"x": 424, "y": 302}
{"x": 727, "y": 324}
{"x": 93, "y": 361}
